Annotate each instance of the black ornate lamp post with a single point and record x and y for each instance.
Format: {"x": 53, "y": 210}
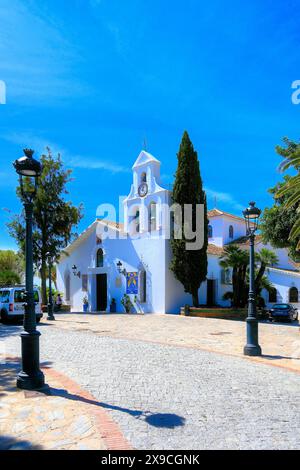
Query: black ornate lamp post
{"x": 252, "y": 348}
{"x": 30, "y": 377}
{"x": 119, "y": 266}
{"x": 50, "y": 296}
{"x": 120, "y": 269}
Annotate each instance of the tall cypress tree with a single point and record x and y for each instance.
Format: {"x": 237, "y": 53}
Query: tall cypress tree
{"x": 189, "y": 266}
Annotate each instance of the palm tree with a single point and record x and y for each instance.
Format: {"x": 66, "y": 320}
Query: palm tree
{"x": 266, "y": 284}
{"x": 238, "y": 260}
{"x": 264, "y": 258}
{"x": 292, "y": 184}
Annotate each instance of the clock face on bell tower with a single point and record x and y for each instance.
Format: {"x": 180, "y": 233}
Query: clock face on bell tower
{"x": 143, "y": 190}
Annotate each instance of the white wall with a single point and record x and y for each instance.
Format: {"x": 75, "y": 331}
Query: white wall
{"x": 220, "y": 225}
{"x": 130, "y": 253}
{"x": 137, "y": 254}
{"x": 239, "y": 229}
{"x": 217, "y": 226}
{"x": 284, "y": 261}
{"x": 214, "y": 271}
{"x": 282, "y": 283}
{"x": 177, "y": 298}
{"x": 82, "y": 258}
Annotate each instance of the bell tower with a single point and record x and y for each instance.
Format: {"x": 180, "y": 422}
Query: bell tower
{"x": 141, "y": 207}
{"x": 146, "y": 170}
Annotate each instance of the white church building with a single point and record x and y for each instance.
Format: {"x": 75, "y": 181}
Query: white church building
{"x": 110, "y": 260}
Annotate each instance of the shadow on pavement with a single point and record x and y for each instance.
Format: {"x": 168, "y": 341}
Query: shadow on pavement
{"x": 158, "y": 420}
{"x": 11, "y": 443}
{"x": 15, "y": 327}
{"x": 10, "y": 330}
{"x": 269, "y": 356}
{"x": 8, "y": 375}
{"x": 293, "y": 324}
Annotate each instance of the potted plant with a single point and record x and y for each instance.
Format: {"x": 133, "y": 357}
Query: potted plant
{"x": 113, "y": 306}
{"x": 85, "y": 304}
{"x": 126, "y": 302}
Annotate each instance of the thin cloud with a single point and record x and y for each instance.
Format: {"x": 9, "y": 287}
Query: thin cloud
{"x": 76, "y": 161}
{"x": 96, "y": 164}
{"x": 223, "y": 197}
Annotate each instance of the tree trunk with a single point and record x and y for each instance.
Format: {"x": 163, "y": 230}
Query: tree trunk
{"x": 43, "y": 273}
{"x": 235, "y": 288}
{"x": 243, "y": 287}
{"x": 195, "y": 298}
{"x": 259, "y": 276}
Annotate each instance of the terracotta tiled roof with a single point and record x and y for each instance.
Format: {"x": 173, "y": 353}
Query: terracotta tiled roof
{"x": 214, "y": 213}
{"x": 217, "y": 213}
{"x": 244, "y": 242}
{"x": 112, "y": 224}
{"x": 297, "y": 265}
{"x": 214, "y": 250}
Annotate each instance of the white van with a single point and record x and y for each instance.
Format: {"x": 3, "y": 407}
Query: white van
{"x": 12, "y": 303}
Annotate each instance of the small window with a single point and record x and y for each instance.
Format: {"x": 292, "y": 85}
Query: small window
{"x": 152, "y": 217}
{"x": 67, "y": 287}
{"x": 172, "y": 225}
{"x": 100, "y": 258}
{"x": 84, "y": 279}
{"x": 293, "y": 295}
{"x": 210, "y": 231}
{"x": 143, "y": 178}
{"x": 273, "y": 295}
{"x": 226, "y": 276}
{"x": 230, "y": 231}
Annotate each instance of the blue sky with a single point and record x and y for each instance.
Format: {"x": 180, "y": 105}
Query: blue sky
{"x": 94, "y": 78}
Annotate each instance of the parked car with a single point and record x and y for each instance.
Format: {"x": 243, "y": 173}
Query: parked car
{"x": 283, "y": 312}
{"x": 12, "y": 303}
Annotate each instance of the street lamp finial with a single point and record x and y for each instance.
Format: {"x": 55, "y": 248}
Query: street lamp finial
{"x": 28, "y": 152}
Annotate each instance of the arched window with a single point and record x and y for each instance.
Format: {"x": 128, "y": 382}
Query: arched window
{"x": 273, "y": 295}
{"x": 210, "y": 231}
{"x": 67, "y": 286}
{"x": 152, "y": 217}
{"x": 230, "y": 231}
{"x": 143, "y": 178}
{"x": 100, "y": 258}
{"x": 293, "y": 294}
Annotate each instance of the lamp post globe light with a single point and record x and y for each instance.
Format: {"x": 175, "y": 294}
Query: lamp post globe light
{"x": 252, "y": 348}
{"x": 50, "y": 296}
{"x": 30, "y": 377}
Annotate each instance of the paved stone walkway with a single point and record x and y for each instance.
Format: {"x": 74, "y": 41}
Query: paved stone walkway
{"x": 61, "y": 416}
{"x": 169, "y": 397}
{"x": 280, "y": 342}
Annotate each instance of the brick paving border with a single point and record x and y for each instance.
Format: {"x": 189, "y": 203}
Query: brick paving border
{"x": 109, "y": 431}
